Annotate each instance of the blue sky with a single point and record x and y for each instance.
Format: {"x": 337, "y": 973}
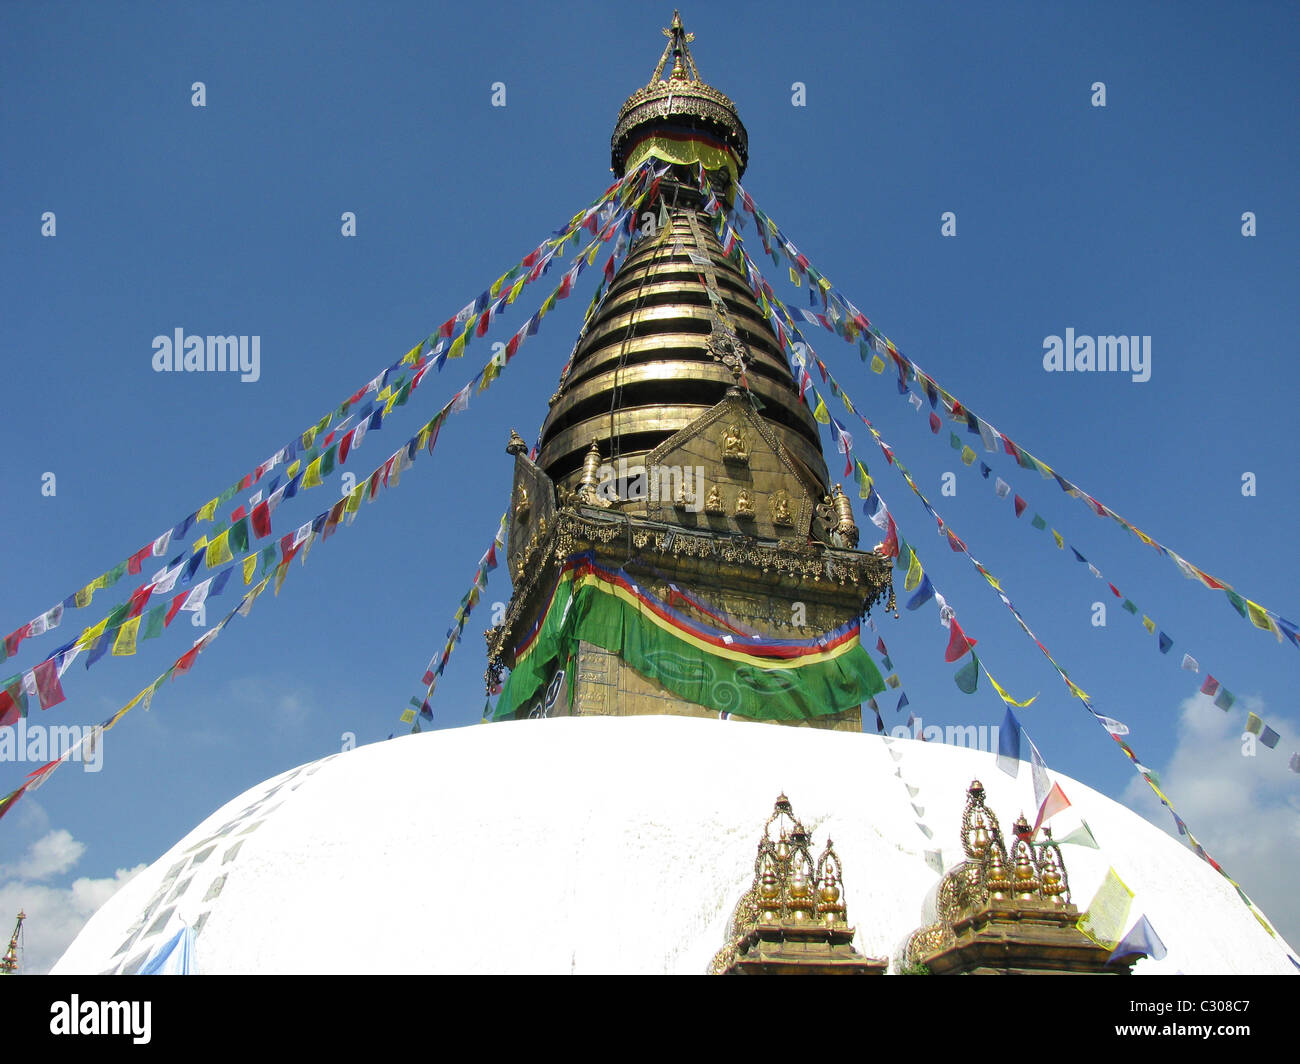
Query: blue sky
{"x": 225, "y": 219}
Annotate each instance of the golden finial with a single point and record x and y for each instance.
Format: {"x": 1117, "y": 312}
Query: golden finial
{"x": 1025, "y": 874}
{"x": 979, "y": 826}
{"x": 830, "y": 874}
{"x": 516, "y": 444}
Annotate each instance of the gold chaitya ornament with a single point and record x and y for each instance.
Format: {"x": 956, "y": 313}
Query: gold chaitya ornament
{"x": 589, "y": 493}
{"x": 713, "y": 503}
{"x": 1005, "y": 911}
{"x": 744, "y": 504}
{"x": 846, "y": 528}
{"x": 792, "y": 920}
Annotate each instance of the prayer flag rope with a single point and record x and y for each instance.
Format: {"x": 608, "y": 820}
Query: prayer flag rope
{"x": 344, "y": 510}
{"x": 527, "y": 270}
{"x": 844, "y": 319}
{"x": 43, "y": 680}
{"x": 959, "y": 546}
{"x": 419, "y": 704}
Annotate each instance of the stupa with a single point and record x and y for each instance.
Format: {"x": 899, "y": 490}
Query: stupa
{"x": 685, "y": 574}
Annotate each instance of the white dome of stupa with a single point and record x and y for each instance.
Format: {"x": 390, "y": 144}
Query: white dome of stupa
{"x": 609, "y": 844}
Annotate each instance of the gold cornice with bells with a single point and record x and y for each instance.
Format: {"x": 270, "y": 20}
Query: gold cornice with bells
{"x": 1005, "y": 908}
{"x": 792, "y": 919}
{"x": 571, "y": 532}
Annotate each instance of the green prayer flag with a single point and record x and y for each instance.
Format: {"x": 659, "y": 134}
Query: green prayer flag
{"x": 1080, "y": 836}
{"x": 1038, "y": 522}
{"x": 153, "y": 622}
{"x": 967, "y": 677}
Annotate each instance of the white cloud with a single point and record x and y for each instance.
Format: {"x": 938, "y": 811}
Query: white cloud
{"x": 55, "y": 915}
{"x": 51, "y": 855}
{"x": 1243, "y": 809}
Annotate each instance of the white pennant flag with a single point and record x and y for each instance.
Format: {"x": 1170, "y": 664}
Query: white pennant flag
{"x": 1191, "y": 664}
{"x": 197, "y": 596}
{"x": 161, "y": 543}
{"x": 1002, "y": 488}
{"x": 165, "y": 579}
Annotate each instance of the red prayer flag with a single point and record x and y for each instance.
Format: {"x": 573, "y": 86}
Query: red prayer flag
{"x": 1210, "y": 686}
{"x": 174, "y": 608}
{"x": 934, "y": 422}
{"x": 9, "y": 711}
{"x": 345, "y": 446}
{"x": 261, "y": 520}
{"x": 1020, "y": 505}
{"x": 958, "y": 641}
{"x": 47, "y": 684}
{"x": 134, "y": 562}
{"x": 1052, "y": 804}
{"x": 139, "y": 598}
{"x": 240, "y": 512}
{"x": 185, "y": 662}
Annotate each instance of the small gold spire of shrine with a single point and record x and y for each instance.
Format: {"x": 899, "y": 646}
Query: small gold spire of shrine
{"x": 1002, "y": 912}
{"x": 792, "y": 920}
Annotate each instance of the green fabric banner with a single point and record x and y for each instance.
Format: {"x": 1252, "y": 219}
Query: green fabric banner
{"x": 721, "y": 678}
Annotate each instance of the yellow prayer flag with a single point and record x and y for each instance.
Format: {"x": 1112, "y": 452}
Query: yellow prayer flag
{"x": 208, "y": 511}
{"x": 410, "y": 357}
{"x": 1259, "y": 616}
{"x": 967, "y": 456}
{"x": 408, "y": 715}
{"x": 294, "y": 466}
{"x": 993, "y": 580}
{"x": 124, "y": 644}
{"x": 820, "y": 413}
{"x": 250, "y": 567}
{"x": 794, "y": 278}
{"x": 1107, "y": 913}
{"x": 311, "y": 479}
{"x": 877, "y": 364}
{"x": 826, "y": 285}
{"x": 388, "y": 407}
{"x": 847, "y": 405}
{"x": 383, "y": 396}
{"x": 127, "y": 708}
{"x": 91, "y": 634}
{"x": 914, "y": 572}
{"x": 1148, "y": 624}
{"x": 591, "y": 255}
{"x": 1003, "y": 693}
{"x": 422, "y": 438}
{"x": 199, "y": 543}
{"x": 219, "y": 551}
{"x": 307, "y": 438}
{"x": 82, "y": 598}
{"x": 1060, "y": 543}
{"x": 354, "y": 500}
{"x": 457, "y": 347}
{"x": 515, "y": 289}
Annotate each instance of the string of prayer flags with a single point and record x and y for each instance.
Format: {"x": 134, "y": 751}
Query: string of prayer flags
{"x": 50, "y": 619}
{"x": 108, "y": 634}
{"x": 420, "y": 703}
{"x": 1075, "y": 690}
{"x": 854, "y": 323}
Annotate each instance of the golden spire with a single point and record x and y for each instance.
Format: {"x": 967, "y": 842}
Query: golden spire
{"x": 678, "y": 39}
